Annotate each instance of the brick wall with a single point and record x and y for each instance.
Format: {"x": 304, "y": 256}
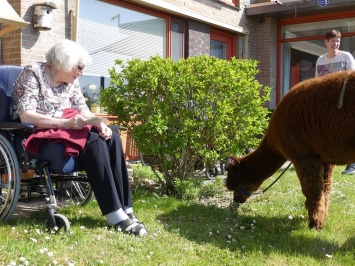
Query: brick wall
{"x": 11, "y": 42}
{"x": 265, "y": 45}
{"x": 198, "y": 38}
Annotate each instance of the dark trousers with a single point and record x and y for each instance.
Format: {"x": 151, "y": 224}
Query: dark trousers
{"x": 105, "y": 166}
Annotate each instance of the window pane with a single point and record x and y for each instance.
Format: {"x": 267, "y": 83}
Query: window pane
{"x": 317, "y": 28}
{"x": 218, "y": 49}
{"x": 111, "y": 32}
{"x": 117, "y": 32}
{"x": 177, "y": 39}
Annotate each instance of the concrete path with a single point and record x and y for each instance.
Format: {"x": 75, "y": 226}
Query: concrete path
{"x": 24, "y": 209}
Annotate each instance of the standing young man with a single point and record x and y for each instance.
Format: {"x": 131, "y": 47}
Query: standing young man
{"x": 335, "y": 60}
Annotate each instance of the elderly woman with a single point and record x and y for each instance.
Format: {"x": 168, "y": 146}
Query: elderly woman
{"x": 42, "y": 94}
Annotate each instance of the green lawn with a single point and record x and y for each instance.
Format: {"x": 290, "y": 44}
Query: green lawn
{"x": 269, "y": 229}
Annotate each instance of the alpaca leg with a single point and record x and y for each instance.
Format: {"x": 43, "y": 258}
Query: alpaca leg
{"x": 310, "y": 174}
{"x": 327, "y": 177}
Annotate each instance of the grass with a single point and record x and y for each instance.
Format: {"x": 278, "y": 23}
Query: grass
{"x": 269, "y": 229}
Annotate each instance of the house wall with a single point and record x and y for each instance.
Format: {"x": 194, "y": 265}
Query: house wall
{"x": 23, "y": 46}
{"x": 27, "y": 45}
{"x": 198, "y": 38}
{"x": 11, "y": 42}
{"x": 265, "y": 51}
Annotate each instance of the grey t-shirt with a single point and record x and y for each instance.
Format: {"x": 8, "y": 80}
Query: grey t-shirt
{"x": 343, "y": 61}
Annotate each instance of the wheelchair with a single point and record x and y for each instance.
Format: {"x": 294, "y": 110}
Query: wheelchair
{"x": 48, "y": 176}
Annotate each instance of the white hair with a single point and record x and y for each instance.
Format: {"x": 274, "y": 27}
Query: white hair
{"x": 66, "y": 54}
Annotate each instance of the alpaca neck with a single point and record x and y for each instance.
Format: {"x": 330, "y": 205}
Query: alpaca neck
{"x": 262, "y": 163}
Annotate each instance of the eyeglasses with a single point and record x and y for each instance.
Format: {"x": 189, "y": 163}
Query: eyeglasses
{"x": 80, "y": 68}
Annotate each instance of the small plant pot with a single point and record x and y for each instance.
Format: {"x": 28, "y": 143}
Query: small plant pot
{"x": 95, "y": 109}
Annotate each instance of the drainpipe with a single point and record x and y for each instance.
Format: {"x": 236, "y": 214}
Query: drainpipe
{"x": 245, "y": 53}
{"x": 74, "y": 22}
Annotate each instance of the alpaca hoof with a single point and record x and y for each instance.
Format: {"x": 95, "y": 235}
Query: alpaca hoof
{"x": 235, "y": 205}
{"x": 315, "y": 225}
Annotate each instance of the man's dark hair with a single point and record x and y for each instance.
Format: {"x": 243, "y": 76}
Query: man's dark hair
{"x": 332, "y": 34}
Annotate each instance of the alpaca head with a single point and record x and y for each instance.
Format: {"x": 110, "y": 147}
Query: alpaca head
{"x": 234, "y": 181}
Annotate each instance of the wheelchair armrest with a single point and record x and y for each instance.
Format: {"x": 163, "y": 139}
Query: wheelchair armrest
{"x": 16, "y": 126}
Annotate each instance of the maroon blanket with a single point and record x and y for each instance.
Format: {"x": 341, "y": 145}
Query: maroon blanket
{"x": 74, "y": 140}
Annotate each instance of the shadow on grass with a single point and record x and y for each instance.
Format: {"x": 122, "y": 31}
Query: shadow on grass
{"x": 349, "y": 244}
{"x": 39, "y": 218}
{"x": 225, "y": 229}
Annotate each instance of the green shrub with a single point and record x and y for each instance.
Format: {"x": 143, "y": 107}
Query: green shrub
{"x": 188, "y": 189}
{"x": 145, "y": 179}
{"x": 141, "y": 172}
{"x": 216, "y": 188}
{"x": 196, "y": 188}
{"x": 180, "y": 112}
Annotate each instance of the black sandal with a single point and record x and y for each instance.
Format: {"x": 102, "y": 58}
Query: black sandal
{"x": 134, "y": 218}
{"x": 131, "y": 227}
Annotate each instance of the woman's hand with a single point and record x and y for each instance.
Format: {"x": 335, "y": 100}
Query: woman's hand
{"x": 104, "y": 131}
{"x": 75, "y": 122}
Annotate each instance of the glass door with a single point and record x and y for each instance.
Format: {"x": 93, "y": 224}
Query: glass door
{"x": 222, "y": 44}
{"x": 302, "y": 43}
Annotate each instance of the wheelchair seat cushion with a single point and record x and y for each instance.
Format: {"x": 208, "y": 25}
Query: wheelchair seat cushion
{"x": 53, "y": 153}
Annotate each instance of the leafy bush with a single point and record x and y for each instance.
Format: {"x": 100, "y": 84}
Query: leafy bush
{"x": 179, "y": 113}
{"x": 144, "y": 178}
{"x": 216, "y": 188}
{"x": 195, "y": 188}
{"x": 141, "y": 172}
{"x": 188, "y": 189}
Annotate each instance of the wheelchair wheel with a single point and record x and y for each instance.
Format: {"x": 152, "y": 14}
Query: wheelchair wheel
{"x": 61, "y": 221}
{"x": 10, "y": 179}
{"x": 73, "y": 192}
{"x": 211, "y": 173}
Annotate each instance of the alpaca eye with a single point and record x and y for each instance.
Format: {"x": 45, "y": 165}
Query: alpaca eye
{"x": 229, "y": 163}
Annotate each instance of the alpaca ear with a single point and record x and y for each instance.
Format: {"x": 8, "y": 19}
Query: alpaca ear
{"x": 233, "y": 172}
{"x": 232, "y": 161}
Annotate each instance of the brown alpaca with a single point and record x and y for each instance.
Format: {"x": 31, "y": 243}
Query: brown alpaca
{"x": 309, "y": 129}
